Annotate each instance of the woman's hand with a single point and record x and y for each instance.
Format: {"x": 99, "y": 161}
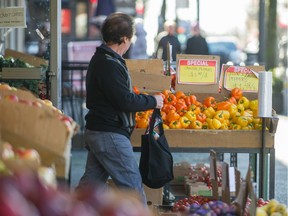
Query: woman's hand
{"x": 159, "y": 101}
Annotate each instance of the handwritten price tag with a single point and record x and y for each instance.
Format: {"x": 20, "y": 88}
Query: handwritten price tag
{"x": 196, "y": 71}
{"x": 240, "y": 77}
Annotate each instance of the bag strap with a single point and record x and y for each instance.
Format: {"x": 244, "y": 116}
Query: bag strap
{"x": 156, "y": 113}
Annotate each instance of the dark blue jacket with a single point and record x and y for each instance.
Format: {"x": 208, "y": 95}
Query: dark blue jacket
{"x": 109, "y": 94}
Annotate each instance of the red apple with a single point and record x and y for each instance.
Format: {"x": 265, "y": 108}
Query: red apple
{"x": 48, "y": 102}
{"x": 28, "y": 154}
{"x": 27, "y": 102}
{"x": 12, "y": 98}
{"x": 7, "y": 151}
{"x": 5, "y": 86}
{"x": 37, "y": 104}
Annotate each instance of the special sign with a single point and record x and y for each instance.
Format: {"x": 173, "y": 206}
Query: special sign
{"x": 12, "y": 17}
{"x": 241, "y": 77}
{"x": 197, "y": 71}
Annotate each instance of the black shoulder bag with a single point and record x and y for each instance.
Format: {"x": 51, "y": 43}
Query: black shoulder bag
{"x": 156, "y": 161}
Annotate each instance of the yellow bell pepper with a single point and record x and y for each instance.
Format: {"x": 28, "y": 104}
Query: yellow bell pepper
{"x": 209, "y": 122}
{"x": 219, "y": 115}
{"x": 226, "y": 114}
{"x": 209, "y": 112}
{"x": 165, "y": 127}
{"x": 196, "y": 124}
{"x": 190, "y": 115}
{"x": 240, "y": 108}
{"x": 245, "y": 101}
{"x": 253, "y": 105}
{"x": 205, "y": 125}
{"x": 216, "y": 123}
{"x": 242, "y": 121}
{"x": 195, "y": 109}
{"x": 234, "y": 126}
{"x": 184, "y": 121}
{"x": 175, "y": 124}
{"x": 233, "y": 109}
{"x": 257, "y": 121}
{"x": 248, "y": 114}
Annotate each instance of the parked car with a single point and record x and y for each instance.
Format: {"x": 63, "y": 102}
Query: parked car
{"x": 227, "y": 48}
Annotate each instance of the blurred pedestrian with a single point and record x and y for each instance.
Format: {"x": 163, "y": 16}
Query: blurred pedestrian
{"x": 138, "y": 49}
{"x": 169, "y": 36}
{"x": 197, "y": 44}
{"x": 112, "y": 106}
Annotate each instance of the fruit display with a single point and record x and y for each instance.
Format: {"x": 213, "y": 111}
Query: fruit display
{"x": 185, "y": 111}
{"x": 29, "y": 121}
{"x": 23, "y": 193}
{"x": 20, "y": 159}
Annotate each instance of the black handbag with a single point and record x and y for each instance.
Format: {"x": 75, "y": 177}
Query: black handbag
{"x": 156, "y": 161}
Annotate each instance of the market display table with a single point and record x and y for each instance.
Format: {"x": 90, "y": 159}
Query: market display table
{"x": 223, "y": 141}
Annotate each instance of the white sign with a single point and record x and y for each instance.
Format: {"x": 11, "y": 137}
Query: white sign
{"x": 12, "y": 17}
{"x": 232, "y": 180}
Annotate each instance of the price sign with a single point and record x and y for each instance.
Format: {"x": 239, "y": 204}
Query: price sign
{"x": 197, "y": 71}
{"x": 12, "y": 17}
{"x": 240, "y": 77}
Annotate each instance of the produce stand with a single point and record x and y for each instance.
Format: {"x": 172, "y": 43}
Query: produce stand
{"x": 255, "y": 142}
{"x": 222, "y": 141}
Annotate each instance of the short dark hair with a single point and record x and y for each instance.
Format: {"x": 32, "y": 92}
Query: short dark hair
{"x": 116, "y": 26}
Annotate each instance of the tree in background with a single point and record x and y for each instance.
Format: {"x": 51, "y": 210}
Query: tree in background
{"x": 271, "y": 53}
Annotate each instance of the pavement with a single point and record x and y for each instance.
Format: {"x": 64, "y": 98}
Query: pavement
{"x": 281, "y": 163}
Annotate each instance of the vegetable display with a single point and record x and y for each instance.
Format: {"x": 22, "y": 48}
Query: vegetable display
{"x": 185, "y": 111}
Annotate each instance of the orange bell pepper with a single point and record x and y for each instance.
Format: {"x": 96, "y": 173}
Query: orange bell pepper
{"x": 190, "y": 99}
{"x": 142, "y": 123}
{"x": 236, "y": 93}
{"x": 181, "y": 108}
{"x": 167, "y": 107}
{"x": 180, "y": 95}
{"x": 232, "y": 100}
{"x": 170, "y": 99}
{"x": 209, "y": 102}
{"x": 172, "y": 116}
{"x": 223, "y": 105}
{"x": 201, "y": 117}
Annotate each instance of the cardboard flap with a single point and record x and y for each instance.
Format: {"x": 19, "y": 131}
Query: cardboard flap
{"x": 30, "y": 59}
{"x": 148, "y": 76}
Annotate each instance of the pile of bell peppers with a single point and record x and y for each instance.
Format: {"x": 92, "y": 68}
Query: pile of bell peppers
{"x": 184, "y": 111}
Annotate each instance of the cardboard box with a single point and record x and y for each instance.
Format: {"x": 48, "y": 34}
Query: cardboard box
{"x": 22, "y": 73}
{"x": 154, "y": 196}
{"x": 209, "y": 139}
{"x": 30, "y": 59}
{"x": 180, "y": 171}
{"x": 38, "y": 128}
{"x": 148, "y": 75}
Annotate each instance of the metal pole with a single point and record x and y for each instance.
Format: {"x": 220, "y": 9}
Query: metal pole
{"x": 55, "y": 53}
{"x": 261, "y": 57}
{"x": 198, "y": 11}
